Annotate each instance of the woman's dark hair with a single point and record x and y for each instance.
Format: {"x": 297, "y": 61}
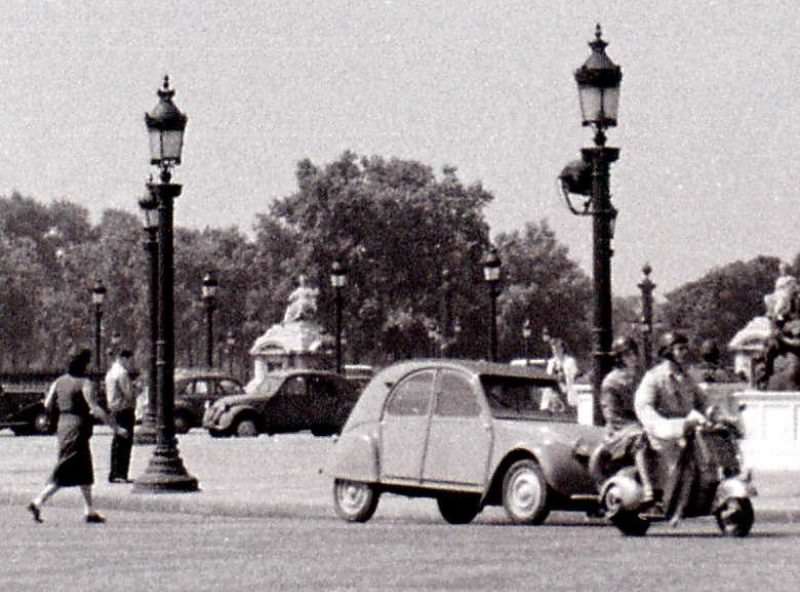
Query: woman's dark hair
{"x": 79, "y": 363}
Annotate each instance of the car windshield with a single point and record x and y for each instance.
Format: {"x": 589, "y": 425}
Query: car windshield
{"x": 522, "y": 398}
{"x": 270, "y": 384}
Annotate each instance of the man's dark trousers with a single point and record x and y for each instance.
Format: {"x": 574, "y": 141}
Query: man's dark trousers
{"x": 121, "y": 446}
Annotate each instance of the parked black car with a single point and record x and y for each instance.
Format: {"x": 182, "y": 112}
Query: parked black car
{"x": 285, "y": 401}
{"x": 195, "y": 390}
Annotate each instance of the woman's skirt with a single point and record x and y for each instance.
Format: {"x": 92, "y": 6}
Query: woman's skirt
{"x": 74, "y": 466}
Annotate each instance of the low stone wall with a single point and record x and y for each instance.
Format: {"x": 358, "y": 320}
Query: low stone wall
{"x": 772, "y": 428}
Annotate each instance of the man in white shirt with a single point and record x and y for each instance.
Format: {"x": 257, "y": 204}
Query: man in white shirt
{"x": 121, "y": 404}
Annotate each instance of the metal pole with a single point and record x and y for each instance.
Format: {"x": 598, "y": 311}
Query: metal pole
{"x": 339, "y": 367}
{"x": 147, "y": 432}
{"x": 600, "y": 158}
{"x": 166, "y": 472}
{"x": 98, "y": 328}
{"x": 493, "y": 325}
{"x": 646, "y": 286}
{"x": 210, "y": 332}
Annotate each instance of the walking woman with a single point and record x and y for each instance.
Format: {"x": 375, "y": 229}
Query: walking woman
{"x": 73, "y": 395}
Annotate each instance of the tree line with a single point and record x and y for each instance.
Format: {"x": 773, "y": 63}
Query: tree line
{"x": 411, "y": 241}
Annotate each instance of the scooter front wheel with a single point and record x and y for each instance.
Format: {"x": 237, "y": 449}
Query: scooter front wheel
{"x": 735, "y": 517}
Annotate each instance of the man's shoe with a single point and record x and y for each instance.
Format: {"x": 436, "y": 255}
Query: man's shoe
{"x": 95, "y": 518}
{"x": 35, "y": 512}
{"x": 119, "y": 480}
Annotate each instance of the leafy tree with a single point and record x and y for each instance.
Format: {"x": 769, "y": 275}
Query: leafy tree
{"x": 723, "y": 301}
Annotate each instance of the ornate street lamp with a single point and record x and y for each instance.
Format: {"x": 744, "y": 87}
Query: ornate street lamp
{"x": 98, "y": 296}
{"x": 165, "y": 126}
{"x": 646, "y": 286}
{"x": 146, "y": 434}
{"x": 491, "y": 274}
{"x": 338, "y": 282}
{"x": 209, "y": 297}
{"x": 598, "y": 82}
{"x": 527, "y": 332}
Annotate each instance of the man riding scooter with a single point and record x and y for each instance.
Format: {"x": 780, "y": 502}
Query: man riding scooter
{"x": 625, "y": 440}
{"x": 670, "y": 404}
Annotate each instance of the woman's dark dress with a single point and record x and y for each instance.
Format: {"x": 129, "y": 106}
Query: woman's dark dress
{"x": 74, "y": 466}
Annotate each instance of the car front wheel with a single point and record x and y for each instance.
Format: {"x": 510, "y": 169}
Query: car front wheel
{"x": 354, "y": 501}
{"x": 246, "y": 428}
{"x": 525, "y": 493}
{"x": 182, "y": 423}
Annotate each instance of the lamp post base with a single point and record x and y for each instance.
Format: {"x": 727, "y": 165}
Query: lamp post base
{"x": 165, "y": 474}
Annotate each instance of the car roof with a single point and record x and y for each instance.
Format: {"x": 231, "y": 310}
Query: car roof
{"x": 370, "y": 403}
{"x": 185, "y": 373}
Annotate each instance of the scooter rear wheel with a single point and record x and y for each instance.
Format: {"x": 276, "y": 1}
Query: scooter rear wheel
{"x": 735, "y": 517}
{"x": 630, "y": 523}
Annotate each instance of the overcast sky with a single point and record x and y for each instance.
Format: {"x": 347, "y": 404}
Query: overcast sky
{"x": 708, "y": 123}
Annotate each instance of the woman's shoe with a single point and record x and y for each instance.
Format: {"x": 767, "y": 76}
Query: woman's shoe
{"x": 35, "y": 512}
{"x": 95, "y": 518}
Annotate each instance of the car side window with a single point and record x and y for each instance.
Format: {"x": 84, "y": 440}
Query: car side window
{"x": 295, "y": 386}
{"x": 227, "y": 387}
{"x": 412, "y": 395}
{"x": 455, "y": 396}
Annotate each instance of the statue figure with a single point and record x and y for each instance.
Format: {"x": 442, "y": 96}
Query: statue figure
{"x": 302, "y": 302}
{"x": 782, "y": 302}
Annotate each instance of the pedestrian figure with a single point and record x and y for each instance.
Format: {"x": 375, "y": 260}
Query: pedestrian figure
{"x": 72, "y": 394}
{"x": 122, "y": 404}
{"x": 563, "y": 366}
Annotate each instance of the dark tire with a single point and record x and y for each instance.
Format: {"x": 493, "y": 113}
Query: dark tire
{"x": 630, "y": 523}
{"x": 458, "y": 508}
{"x": 42, "y": 425}
{"x": 323, "y": 431}
{"x": 735, "y": 518}
{"x": 246, "y": 428}
{"x": 218, "y": 434}
{"x": 526, "y": 493}
{"x": 182, "y": 423}
{"x": 354, "y": 501}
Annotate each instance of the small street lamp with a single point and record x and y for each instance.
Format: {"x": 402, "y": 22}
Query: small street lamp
{"x": 646, "y": 286}
{"x": 491, "y": 274}
{"x": 209, "y": 297}
{"x": 527, "y": 332}
{"x": 98, "y": 296}
{"x": 165, "y": 126}
{"x": 338, "y": 282}
{"x": 146, "y": 434}
{"x": 598, "y": 81}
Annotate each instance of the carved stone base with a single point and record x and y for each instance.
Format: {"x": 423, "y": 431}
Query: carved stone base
{"x": 145, "y": 433}
{"x": 165, "y": 473}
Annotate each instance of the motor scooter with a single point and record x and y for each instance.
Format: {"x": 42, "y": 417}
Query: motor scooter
{"x": 707, "y": 479}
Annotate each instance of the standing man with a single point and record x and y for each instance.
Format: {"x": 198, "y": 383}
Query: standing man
{"x": 121, "y": 404}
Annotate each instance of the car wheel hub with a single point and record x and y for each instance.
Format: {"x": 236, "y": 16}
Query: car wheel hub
{"x": 525, "y": 493}
{"x": 352, "y": 496}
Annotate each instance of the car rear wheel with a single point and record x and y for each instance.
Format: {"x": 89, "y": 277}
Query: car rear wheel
{"x": 246, "y": 428}
{"x": 525, "y": 493}
{"x": 735, "y": 518}
{"x": 354, "y": 501}
{"x": 41, "y": 424}
{"x": 458, "y": 508}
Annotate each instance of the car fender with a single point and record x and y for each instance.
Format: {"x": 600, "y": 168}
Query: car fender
{"x": 732, "y": 488}
{"x": 355, "y": 455}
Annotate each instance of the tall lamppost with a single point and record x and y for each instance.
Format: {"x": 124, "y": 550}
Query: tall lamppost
{"x": 527, "y": 332}
{"x": 98, "y": 296}
{"x": 646, "y": 286}
{"x": 146, "y": 434}
{"x": 165, "y": 125}
{"x": 338, "y": 282}
{"x": 491, "y": 274}
{"x": 598, "y": 82}
{"x": 209, "y": 297}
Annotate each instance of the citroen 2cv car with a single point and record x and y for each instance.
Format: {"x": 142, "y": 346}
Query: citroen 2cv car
{"x": 470, "y": 435}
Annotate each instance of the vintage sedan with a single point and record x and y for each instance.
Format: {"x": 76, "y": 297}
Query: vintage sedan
{"x": 470, "y": 435}
{"x": 285, "y": 401}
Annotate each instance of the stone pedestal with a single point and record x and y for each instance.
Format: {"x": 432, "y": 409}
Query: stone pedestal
{"x": 296, "y": 344}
